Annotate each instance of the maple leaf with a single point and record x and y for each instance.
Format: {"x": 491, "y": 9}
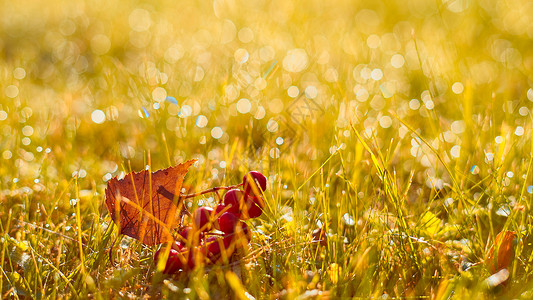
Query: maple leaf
{"x": 144, "y": 205}
{"x": 501, "y": 253}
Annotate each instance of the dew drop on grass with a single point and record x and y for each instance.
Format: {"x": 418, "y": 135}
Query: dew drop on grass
{"x": 171, "y": 100}
{"x": 503, "y": 211}
{"x": 272, "y": 125}
{"x": 245, "y": 35}
{"x": 385, "y": 122}
{"x": 201, "y": 121}
{"x": 216, "y": 132}
{"x": 530, "y": 189}
{"x": 519, "y": 131}
{"x": 295, "y": 61}
{"x": 244, "y": 106}
{"x": 474, "y": 170}
{"x": 19, "y": 73}
{"x": 455, "y": 152}
{"x": 293, "y": 91}
{"x": 260, "y": 113}
{"x": 362, "y": 95}
{"x": 7, "y": 154}
{"x": 373, "y": 41}
{"x": 202, "y": 140}
{"x": 107, "y": 177}
{"x": 414, "y": 104}
{"x": 397, "y": 61}
{"x": 457, "y": 88}
{"x": 27, "y": 130}
{"x": 311, "y": 92}
{"x": 98, "y": 116}
{"x": 186, "y": 111}
{"x": 275, "y": 153}
{"x": 11, "y": 91}
{"x": 348, "y": 220}
{"x": 458, "y": 126}
{"x": 145, "y": 111}
{"x": 241, "y": 56}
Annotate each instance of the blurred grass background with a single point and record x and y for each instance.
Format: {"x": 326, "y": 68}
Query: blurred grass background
{"x": 439, "y": 91}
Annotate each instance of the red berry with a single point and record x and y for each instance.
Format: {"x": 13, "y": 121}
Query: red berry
{"x": 189, "y": 236}
{"x": 211, "y": 248}
{"x": 220, "y": 208}
{"x": 254, "y": 210}
{"x": 174, "y": 261}
{"x": 226, "y": 222}
{"x": 235, "y": 198}
{"x": 212, "y": 244}
{"x": 217, "y": 248}
{"x": 191, "y": 260}
{"x": 178, "y": 246}
{"x": 254, "y": 183}
{"x": 185, "y": 233}
{"x": 202, "y": 218}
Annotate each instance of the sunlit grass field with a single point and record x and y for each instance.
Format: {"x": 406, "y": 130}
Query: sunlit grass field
{"x": 401, "y": 130}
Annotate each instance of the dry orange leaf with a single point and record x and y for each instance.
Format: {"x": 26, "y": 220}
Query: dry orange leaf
{"x": 144, "y": 205}
{"x": 501, "y": 253}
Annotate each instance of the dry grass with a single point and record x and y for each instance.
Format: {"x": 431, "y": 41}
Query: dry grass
{"x": 401, "y": 128}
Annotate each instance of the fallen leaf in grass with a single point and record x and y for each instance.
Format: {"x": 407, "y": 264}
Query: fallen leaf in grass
{"x": 143, "y": 204}
{"x": 501, "y": 253}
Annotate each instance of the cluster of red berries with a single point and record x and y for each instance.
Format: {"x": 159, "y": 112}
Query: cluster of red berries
{"x": 197, "y": 244}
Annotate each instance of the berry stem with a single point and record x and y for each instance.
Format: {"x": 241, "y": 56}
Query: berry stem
{"x": 211, "y": 190}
